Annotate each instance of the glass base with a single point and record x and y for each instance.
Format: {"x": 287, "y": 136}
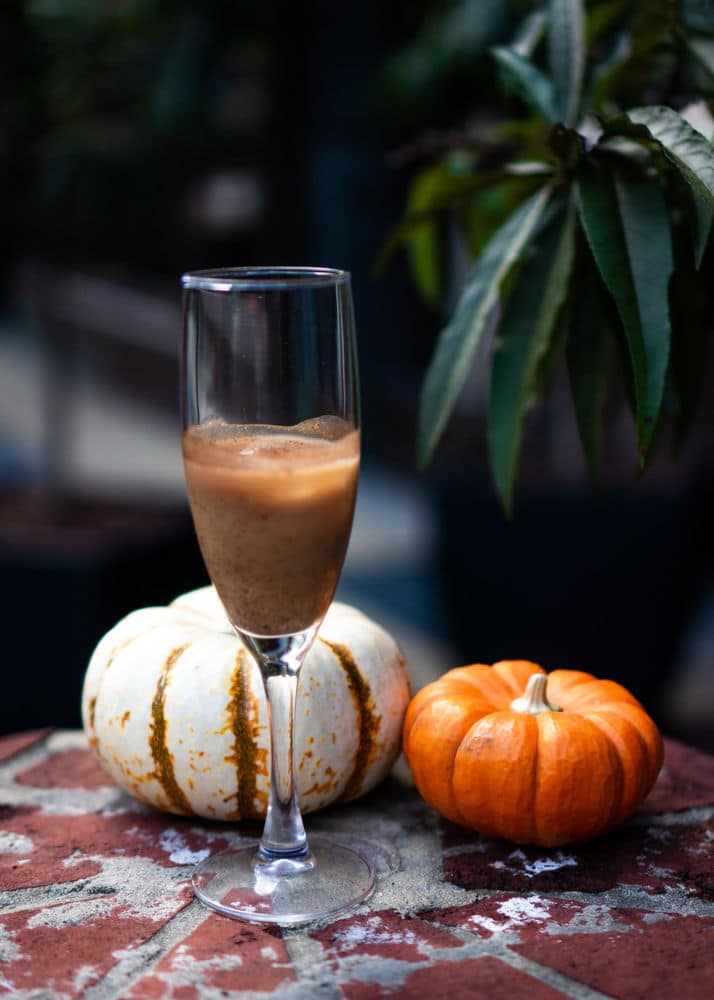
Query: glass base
{"x": 236, "y": 884}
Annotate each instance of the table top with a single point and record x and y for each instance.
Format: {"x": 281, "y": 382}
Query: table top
{"x": 95, "y": 899}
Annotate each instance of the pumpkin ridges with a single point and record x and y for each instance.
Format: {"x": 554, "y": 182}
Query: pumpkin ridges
{"x": 632, "y": 751}
{"x": 515, "y": 674}
{"x": 448, "y": 687}
{"x": 596, "y": 693}
{"x": 647, "y": 732}
{"x": 489, "y": 789}
{"x": 116, "y": 649}
{"x": 561, "y": 683}
{"x": 563, "y": 807}
{"x": 465, "y": 672}
{"x": 488, "y": 682}
{"x": 431, "y": 757}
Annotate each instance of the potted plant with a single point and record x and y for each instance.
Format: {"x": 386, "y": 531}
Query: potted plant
{"x": 586, "y": 196}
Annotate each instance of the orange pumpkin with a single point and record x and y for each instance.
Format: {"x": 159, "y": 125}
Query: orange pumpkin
{"x": 489, "y": 750}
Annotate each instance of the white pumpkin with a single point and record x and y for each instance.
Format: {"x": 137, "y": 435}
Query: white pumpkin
{"x": 174, "y": 708}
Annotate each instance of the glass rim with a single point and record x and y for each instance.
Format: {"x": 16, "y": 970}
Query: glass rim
{"x": 230, "y": 279}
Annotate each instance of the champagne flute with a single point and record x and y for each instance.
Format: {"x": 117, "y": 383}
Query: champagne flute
{"x": 270, "y": 412}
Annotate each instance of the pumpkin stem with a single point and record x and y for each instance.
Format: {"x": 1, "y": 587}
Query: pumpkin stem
{"x": 535, "y": 701}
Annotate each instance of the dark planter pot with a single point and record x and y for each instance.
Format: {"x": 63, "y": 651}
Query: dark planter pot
{"x": 68, "y": 571}
{"x": 602, "y": 583}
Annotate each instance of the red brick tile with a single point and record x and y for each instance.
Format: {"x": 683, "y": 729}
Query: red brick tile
{"x": 386, "y": 934}
{"x": 653, "y": 857}
{"x": 35, "y": 847}
{"x": 515, "y": 915}
{"x": 69, "y": 947}
{"x": 10, "y": 745}
{"x": 685, "y": 781}
{"x": 483, "y": 978}
{"x": 58, "y": 847}
{"x": 677, "y": 855}
{"x": 65, "y": 769}
{"x": 671, "y": 956}
{"x": 622, "y": 952}
{"x": 220, "y": 954}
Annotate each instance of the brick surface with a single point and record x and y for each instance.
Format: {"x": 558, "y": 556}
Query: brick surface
{"x": 51, "y": 849}
{"x": 655, "y": 857}
{"x": 221, "y": 954}
{"x": 386, "y": 934}
{"x": 11, "y": 745}
{"x": 66, "y": 769}
{"x": 70, "y": 946}
{"x": 476, "y": 978}
{"x": 95, "y": 899}
{"x": 669, "y": 956}
{"x": 685, "y": 781}
{"x": 508, "y": 916}
{"x": 622, "y": 952}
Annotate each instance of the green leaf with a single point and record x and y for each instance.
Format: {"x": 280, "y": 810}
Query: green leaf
{"x": 524, "y": 337}
{"x": 566, "y": 55}
{"x": 524, "y": 79}
{"x": 529, "y": 34}
{"x": 692, "y": 218}
{"x": 692, "y": 305}
{"x": 460, "y": 338}
{"x": 631, "y": 61}
{"x": 703, "y": 218}
{"x": 454, "y": 190}
{"x": 648, "y": 237}
{"x": 588, "y": 356}
{"x": 423, "y": 243}
{"x": 627, "y": 227}
{"x": 548, "y": 364}
{"x": 484, "y": 213}
{"x": 690, "y": 152}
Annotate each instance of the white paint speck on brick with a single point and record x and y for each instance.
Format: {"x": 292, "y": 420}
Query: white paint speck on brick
{"x": 373, "y": 931}
{"x": 178, "y": 850}
{"x": 538, "y": 866}
{"x": 656, "y": 918}
{"x": 659, "y": 833}
{"x": 525, "y": 909}
{"x": 15, "y": 843}
{"x": 659, "y": 872}
{"x": 519, "y": 911}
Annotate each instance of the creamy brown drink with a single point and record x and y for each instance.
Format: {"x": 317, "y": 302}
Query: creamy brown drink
{"x": 273, "y": 510}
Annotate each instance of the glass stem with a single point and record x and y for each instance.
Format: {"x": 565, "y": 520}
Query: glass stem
{"x": 280, "y": 660}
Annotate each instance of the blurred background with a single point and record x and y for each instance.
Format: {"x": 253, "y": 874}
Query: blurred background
{"x": 141, "y": 138}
